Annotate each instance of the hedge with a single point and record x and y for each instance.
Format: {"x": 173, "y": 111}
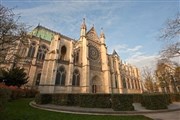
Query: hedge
{"x": 4, "y": 97}
{"x": 118, "y": 102}
{"x": 137, "y": 98}
{"x": 175, "y": 97}
{"x": 65, "y": 99}
{"x": 18, "y": 92}
{"x": 122, "y": 102}
{"x": 8, "y": 93}
{"x": 95, "y": 100}
{"x": 30, "y": 93}
{"x": 155, "y": 101}
{"x": 43, "y": 98}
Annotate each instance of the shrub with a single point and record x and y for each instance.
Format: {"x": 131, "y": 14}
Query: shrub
{"x": 14, "y": 77}
{"x": 137, "y": 98}
{"x": 43, "y": 98}
{"x": 60, "y": 99}
{"x": 95, "y": 100}
{"x": 16, "y": 92}
{"x": 4, "y": 97}
{"x": 118, "y": 102}
{"x": 30, "y": 93}
{"x": 73, "y": 99}
{"x": 86, "y": 100}
{"x": 155, "y": 101}
{"x": 122, "y": 102}
{"x": 175, "y": 97}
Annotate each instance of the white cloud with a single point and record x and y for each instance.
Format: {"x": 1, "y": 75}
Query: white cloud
{"x": 135, "y": 57}
{"x": 136, "y": 48}
{"x": 125, "y": 49}
{"x": 142, "y": 61}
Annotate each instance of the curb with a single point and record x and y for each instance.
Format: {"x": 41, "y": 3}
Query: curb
{"x": 94, "y": 112}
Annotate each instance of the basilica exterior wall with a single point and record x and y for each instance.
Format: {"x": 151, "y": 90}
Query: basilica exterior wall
{"x": 58, "y": 64}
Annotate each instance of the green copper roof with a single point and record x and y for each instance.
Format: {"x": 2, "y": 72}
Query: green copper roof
{"x": 46, "y": 34}
{"x": 43, "y": 33}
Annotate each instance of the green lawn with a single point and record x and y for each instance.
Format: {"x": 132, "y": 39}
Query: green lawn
{"x": 20, "y": 110}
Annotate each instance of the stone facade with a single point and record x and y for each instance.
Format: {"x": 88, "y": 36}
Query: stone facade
{"x": 167, "y": 78}
{"x": 58, "y": 64}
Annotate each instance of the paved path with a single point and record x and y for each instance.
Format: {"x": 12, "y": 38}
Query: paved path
{"x": 172, "y": 113}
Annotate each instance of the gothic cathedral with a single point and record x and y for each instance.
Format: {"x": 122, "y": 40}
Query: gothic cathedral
{"x": 56, "y": 63}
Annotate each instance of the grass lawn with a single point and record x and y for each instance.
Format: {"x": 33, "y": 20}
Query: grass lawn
{"x": 20, "y": 110}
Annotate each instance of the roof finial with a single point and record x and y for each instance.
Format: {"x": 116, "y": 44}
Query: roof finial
{"x": 101, "y": 29}
{"x": 84, "y": 20}
{"x": 39, "y": 24}
{"x": 102, "y": 33}
{"x": 83, "y": 24}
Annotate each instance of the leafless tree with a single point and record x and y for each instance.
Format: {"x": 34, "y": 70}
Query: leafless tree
{"x": 165, "y": 75}
{"x": 149, "y": 80}
{"x": 12, "y": 34}
{"x": 170, "y": 35}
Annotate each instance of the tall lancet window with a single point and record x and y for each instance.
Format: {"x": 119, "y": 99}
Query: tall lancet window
{"x": 124, "y": 82}
{"x": 41, "y": 52}
{"x": 76, "y": 57}
{"x": 116, "y": 80}
{"x": 128, "y": 83}
{"x": 63, "y": 52}
{"x": 60, "y": 76}
{"x": 31, "y": 50}
{"x": 76, "y": 78}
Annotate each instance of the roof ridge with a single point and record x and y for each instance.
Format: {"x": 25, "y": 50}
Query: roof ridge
{"x": 48, "y": 29}
{"x": 54, "y": 31}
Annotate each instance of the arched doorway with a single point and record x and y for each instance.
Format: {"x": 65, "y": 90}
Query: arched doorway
{"x": 96, "y": 84}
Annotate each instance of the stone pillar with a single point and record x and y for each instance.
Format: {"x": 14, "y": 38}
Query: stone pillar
{"x": 50, "y": 65}
{"x": 105, "y": 67}
{"x": 70, "y": 68}
{"x": 33, "y": 67}
{"x": 85, "y": 79}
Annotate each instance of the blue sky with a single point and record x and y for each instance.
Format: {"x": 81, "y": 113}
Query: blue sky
{"x": 131, "y": 27}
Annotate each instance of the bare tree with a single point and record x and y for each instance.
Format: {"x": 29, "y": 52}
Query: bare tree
{"x": 170, "y": 35}
{"x": 165, "y": 76}
{"x": 149, "y": 80}
{"x": 176, "y": 79}
{"x": 12, "y": 34}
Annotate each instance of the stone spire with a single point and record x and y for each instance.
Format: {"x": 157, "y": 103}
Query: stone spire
{"x": 83, "y": 28}
{"x": 102, "y": 36}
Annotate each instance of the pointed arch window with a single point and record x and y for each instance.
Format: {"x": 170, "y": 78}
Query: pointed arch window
{"x": 132, "y": 83}
{"x": 124, "y": 82}
{"x": 76, "y": 57}
{"x": 60, "y": 76}
{"x": 135, "y": 84}
{"x": 76, "y": 78}
{"x": 63, "y": 52}
{"x": 128, "y": 83}
{"x": 42, "y": 52}
{"x": 22, "y": 51}
{"x": 116, "y": 81}
{"x": 31, "y": 50}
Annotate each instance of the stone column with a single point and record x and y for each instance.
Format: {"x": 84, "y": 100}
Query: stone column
{"x": 33, "y": 67}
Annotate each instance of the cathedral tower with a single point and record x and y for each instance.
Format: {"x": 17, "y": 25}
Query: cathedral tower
{"x": 84, "y": 59}
{"x": 105, "y": 68}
